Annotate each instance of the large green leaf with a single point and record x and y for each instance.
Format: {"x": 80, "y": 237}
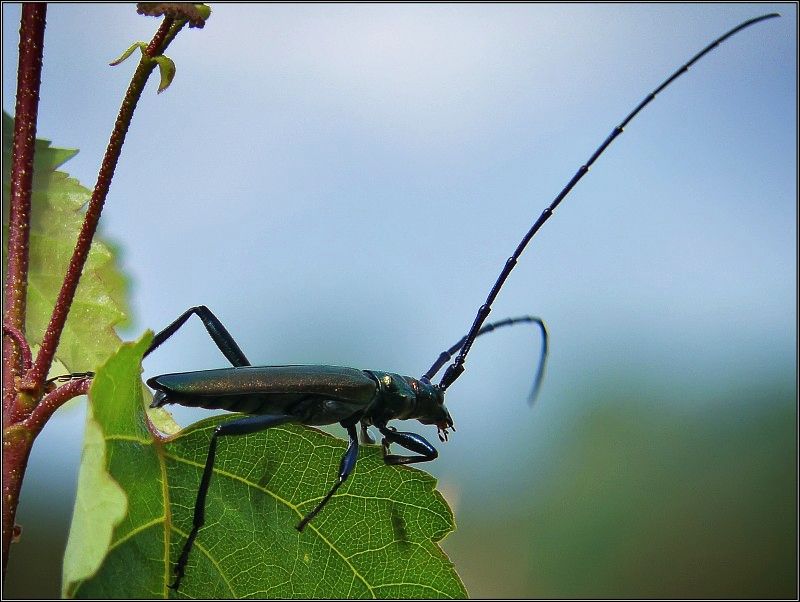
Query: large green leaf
{"x": 376, "y": 538}
{"x": 57, "y": 210}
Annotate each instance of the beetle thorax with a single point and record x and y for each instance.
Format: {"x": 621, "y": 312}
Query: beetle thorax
{"x": 406, "y": 398}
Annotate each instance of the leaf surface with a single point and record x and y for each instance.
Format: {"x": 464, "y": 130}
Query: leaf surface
{"x": 377, "y": 538}
{"x": 57, "y": 212}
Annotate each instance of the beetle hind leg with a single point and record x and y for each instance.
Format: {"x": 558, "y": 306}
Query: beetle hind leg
{"x": 219, "y": 334}
{"x": 160, "y": 398}
{"x": 242, "y": 426}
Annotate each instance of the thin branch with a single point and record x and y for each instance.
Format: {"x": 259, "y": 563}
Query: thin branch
{"x": 24, "y": 349}
{"x": 159, "y": 41}
{"x": 35, "y": 377}
{"x": 54, "y": 400}
{"x": 29, "y": 77}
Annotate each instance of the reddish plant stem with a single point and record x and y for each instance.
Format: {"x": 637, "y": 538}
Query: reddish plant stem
{"x": 35, "y": 377}
{"x": 23, "y": 347}
{"x": 16, "y": 442}
{"x": 29, "y": 77}
{"x": 160, "y": 40}
{"x": 23, "y": 419}
{"x": 54, "y": 400}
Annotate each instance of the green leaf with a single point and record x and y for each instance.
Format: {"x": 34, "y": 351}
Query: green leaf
{"x": 166, "y": 68}
{"x": 376, "y": 538}
{"x": 57, "y": 213}
{"x": 140, "y": 45}
{"x": 101, "y": 504}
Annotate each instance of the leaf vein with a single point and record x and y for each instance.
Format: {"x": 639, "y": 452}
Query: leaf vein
{"x": 288, "y": 504}
{"x": 203, "y": 549}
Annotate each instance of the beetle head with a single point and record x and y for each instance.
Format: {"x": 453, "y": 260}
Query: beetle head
{"x": 430, "y": 399}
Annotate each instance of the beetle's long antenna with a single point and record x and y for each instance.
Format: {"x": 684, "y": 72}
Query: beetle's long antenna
{"x": 455, "y": 369}
{"x": 446, "y": 356}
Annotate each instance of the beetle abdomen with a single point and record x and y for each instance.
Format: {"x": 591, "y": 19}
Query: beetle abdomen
{"x": 247, "y": 403}
{"x": 322, "y": 394}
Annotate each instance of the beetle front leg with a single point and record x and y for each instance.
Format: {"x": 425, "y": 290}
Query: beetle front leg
{"x": 345, "y": 468}
{"x": 410, "y": 441}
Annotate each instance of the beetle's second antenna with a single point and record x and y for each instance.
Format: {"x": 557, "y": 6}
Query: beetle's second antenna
{"x": 455, "y": 369}
{"x": 447, "y": 355}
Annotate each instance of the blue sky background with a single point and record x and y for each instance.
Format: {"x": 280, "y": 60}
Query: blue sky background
{"x": 341, "y": 184}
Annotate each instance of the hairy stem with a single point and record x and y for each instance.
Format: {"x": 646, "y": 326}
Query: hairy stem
{"x": 22, "y": 344}
{"x": 16, "y": 442}
{"x": 54, "y": 400}
{"x": 23, "y": 414}
{"x": 35, "y": 377}
{"x": 29, "y": 76}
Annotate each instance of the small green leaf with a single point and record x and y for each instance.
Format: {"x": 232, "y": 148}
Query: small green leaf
{"x": 166, "y": 65}
{"x": 377, "y": 538}
{"x": 57, "y": 212}
{"x": 166, "y": 68}
{"x": 101, "y": 503}
{"x": 140, "y": 45}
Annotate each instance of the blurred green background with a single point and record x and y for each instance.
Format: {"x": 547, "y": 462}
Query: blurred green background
{"x": 342, "y": 183}
{"x": 644, "y": 501}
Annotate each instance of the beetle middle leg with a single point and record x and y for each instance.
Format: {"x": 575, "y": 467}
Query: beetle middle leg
{"x": 242, "y": 426}
{"x": 410, "y": 441}
{"x": 345, "y": 468}
{"x": 366, "y": 438}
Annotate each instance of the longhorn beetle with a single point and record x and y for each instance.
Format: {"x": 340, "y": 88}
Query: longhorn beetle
{"x": 318, "y": 395}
